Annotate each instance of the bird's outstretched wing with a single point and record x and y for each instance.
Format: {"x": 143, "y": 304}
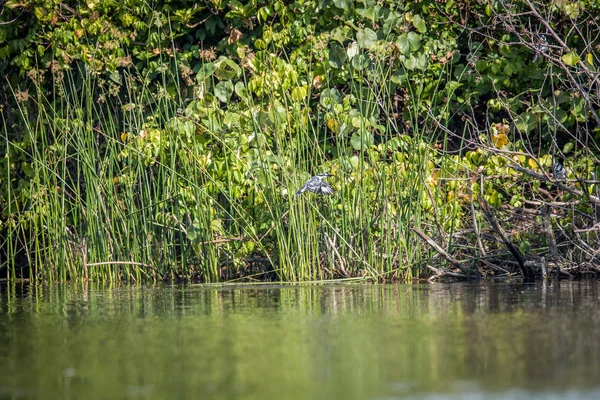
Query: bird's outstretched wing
{"x": 325, "y": 189}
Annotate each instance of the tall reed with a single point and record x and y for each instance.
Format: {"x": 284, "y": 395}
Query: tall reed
{"x": 150, "y": 185}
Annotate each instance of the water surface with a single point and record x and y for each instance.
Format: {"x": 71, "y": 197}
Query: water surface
{"x": 455, "y": 341}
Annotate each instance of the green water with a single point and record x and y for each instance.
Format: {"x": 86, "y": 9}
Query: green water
{"x": 458, "y": 341}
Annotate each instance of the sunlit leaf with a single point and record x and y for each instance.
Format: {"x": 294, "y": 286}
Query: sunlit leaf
{"x": 500, "y": 140}
{"x": 568, "y": 147}
{"x": 571, "y": 58}
{"x": 353, "y": 50}
{"x": 419, "y": 23}
{"x": 224, "y": 90}
{"x": 333, "y": 125}
{"x": 366, "y": 37}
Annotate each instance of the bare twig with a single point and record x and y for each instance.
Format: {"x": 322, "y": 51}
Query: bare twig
{"x": 544, "y": 178}
{"x": 441, "y": 251}
{"x": 525, "y": 269}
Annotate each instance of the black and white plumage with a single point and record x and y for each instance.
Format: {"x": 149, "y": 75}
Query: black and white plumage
{"x": 558, "y": 171}
{"x": 541, "y": 47}
{"x": 317, "y": 185}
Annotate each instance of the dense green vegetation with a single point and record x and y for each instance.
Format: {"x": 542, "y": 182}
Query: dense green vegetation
{"x": 167, "y": 140}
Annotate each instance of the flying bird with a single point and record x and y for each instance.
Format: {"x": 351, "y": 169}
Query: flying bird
{"x": 317, "y": 185}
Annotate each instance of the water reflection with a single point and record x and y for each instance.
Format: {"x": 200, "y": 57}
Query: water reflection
{"x": 485, "y": 340}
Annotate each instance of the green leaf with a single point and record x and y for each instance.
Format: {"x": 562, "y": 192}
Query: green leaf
{"x": 329, "y": 97}
{"x": 206, "y": 70}
{"x": 526, "y": 122}
{"x": 402, "y": 44}
{"x": 224, "y": 90}
{"x": 226, "y": 69}
{"x": 579, "y": 109}
{"x": 260, "y": 44}
{"x": 399, "y": 77}
{"x": 571, "y": 58}
{"x": 419, "y": 23}
{"x": 116, "y": 77}
{"x": 337, "y": 56}
{"x": 340, "y": 34}
{"x": 361, "y": 62}
{"x": 561, "y": 116}
{"x": 241, "y": 91}
{"x": 361, "y": 139}
{"x": 451, "y": 86}
{"x": 343, "y": 4}
{"x": 366, "y": 37}
{"x": 407, "y": 43}
{"x": 488, "y": 10}
{"x": 590, "y": 59}
{"x": 414, "y": 41}
{"x": 568, "y": 147}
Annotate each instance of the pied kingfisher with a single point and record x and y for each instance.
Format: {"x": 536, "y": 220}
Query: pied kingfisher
{"x": 558, "y": 171}
{"x": 317, "y": 185}
{"x": 541, "y": 47}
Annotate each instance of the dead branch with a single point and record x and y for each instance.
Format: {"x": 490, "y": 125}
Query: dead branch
{"x": 440, "y": 272}
{"x": 559, "y": 185}
{"x": 441, "y": 251}
{"x": 525, "y": 269}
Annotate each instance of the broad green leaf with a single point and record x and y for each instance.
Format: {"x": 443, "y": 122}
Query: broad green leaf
{"x": 226, "y": 69}
{"x": 408, "y": 42}
{"x": 337, "y": 56}
{"x": 329, "y": 97}
{"x": 241, "y": 91}
{"x": 360, "y": 62}
{"x": 186, "y": 128}
{"x": 416, "y": 62}
{"x": 354, "y": 162}
{"x": 579, "y": 109}
{"x": 366, "y": 37}
{"x": 419, "y": 23}
{"x": 224, "y": 90}
{"x": 206, "y": 70}
{"x": 402, "y": 44}
{"x": 399, "y": 77}
{"x": 561, "y": 116}
{"x": 260, "y": 44}
{"x": 571, "y": 58}
{"x": 414, "y": 41}
{"x": 116, "y": 77}
{"x": 231, "y": 119}
{"x": 361, "y": 139}
{"x": 341, "y": 34}
{"x": 343, "y": 4}
{"x": 526, "y": 122}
